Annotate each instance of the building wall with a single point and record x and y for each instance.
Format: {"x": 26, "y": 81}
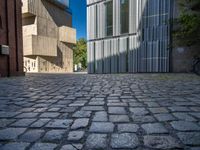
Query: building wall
{"x": 46, "y": 28}
{"x": 10, "y": 20}
{"x": 145, "y": 48}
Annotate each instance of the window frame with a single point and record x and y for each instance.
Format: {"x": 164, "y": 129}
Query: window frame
{"x": 106, "y": 18}
{"x": 128, "y": 30}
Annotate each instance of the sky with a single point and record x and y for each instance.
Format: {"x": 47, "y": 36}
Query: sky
{"x": 78, "y": 8}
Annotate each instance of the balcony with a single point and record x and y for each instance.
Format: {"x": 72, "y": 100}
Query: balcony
{"x": 67, "y": 35}
{"x": 39, "y": 46}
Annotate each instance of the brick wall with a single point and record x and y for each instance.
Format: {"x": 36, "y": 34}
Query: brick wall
{"x": 11, "y": 20}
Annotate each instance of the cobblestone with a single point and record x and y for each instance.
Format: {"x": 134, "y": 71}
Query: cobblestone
{"x": 102, "y": 127}
{"x": 15, "y": 146}
{"x": 80, "y": 123}
{"x": 161, "y": 142}
{"x": 124, "y": 140}
{"x": 54, "y": 135}
{"x": 88, "y": 112}
{"x": 75, "y": 135}
{"x": 151, "y": 128}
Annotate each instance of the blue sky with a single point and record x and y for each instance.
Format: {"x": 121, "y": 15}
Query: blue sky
{"x": 78, "y": 8}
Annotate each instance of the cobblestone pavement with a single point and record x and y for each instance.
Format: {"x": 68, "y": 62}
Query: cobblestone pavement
{"x": 73, "y": 112}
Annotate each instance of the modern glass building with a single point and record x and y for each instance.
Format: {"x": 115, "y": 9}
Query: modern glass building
{"x": 128, "y": 36}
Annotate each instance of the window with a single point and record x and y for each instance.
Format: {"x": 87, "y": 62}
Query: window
{"x": 109, "y": 18}
{"x": 124, "y": 16}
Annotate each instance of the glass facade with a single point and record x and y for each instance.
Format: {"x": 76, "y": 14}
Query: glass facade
{"x": 109, "y": 18}
{"x": 124, "y": 16}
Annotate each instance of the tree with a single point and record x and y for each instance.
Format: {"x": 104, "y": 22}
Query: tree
{"x": 187, "y": 26}
{"x": 80, "y": 52}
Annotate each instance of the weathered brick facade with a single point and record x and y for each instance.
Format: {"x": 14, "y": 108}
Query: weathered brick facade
{"x": 11, "y": 20}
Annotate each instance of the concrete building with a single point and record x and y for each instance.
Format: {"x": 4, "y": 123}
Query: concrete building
{"x": 11, "y": 57}
{"x": 130, "y": 36}
{"x": 48, "y": 36}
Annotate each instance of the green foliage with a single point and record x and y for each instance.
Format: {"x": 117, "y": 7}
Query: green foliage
{"x": 80, "y": 52}
{"x": 187, "y": 26}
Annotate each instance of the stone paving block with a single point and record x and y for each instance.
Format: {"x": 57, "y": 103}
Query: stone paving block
{"x": 27, "y": 109}
{"x": 82, "y": 114}
{"x": 139, "y": 111}
{"x": 59, "y": 123}
{"x": 100, "y": 116}
{"x": 152, "y": 128}
{"x": 93, "y": 108}
{"x": 117, "y": 104}
{"x": 184, "y": 117}
{"x": 161, "y": 142}
{"x": 96, "y": 141}
{"x": 40, "y": 123}
{"x": 189, "y": 138}
{"x": 8, "y": 114}
{"x": 38, "y": 110}
{"x": 72, "y": 147}
{"x": 75, "y": 135}
{"x": 11, "y": 133}
{"x": 179, "y": 109}
{"x": 197, "y": 115}
{"x": 6, "y": 122}
{"x": 185, "y": 126}
{"x": 31, "y": 135}
{"x": 102, "y": 127}
{"x": 124, "y": 140}
{"x": 127, "y": 128}
{"x": 117, "y": 110}
{"x": 158, "y": 110}
{"x": 54, "y": 135}
{"x": 195, "y": 148}
{"x": 119, "y": 118}
{"x": 96, "y": 103}
{"x": 23, "y": 122}
{"x": 164, "y": 117}
{"x": 49, "y": 115}
{"x": 27, "y": 115}
{"x": 43, "y": 146}
{"x": 69, "y": 109}
{"x": 15, "y": 146}
{"x": 127, "y": 101}
{"x": 80, "y": 123}
{"x": 143, "y": 119}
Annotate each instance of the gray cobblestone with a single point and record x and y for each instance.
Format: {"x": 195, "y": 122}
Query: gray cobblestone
{"x": 96, "y": 141}
{"x": 151, "y": 128}
{"x": 124, "y": 140}
{"x": 189, "y": 138}
{"x": 54, "y": 135}
{"x": 11, "y": 133}
{"x": 101, "y": 116}
{"x": 161, "y": 142}
{"x": 43, "y": 146}
{"x": 75, "y": 135}
{"x": 80, "y": 123}
{"x": 31, "y": 135}
{"x": 87, "y": 112}
{"x": 15, "y": 146}
{"x": 72, "y": 147}
{"x": 60, "y": 123}
{"x": 185, "y": 126}
{"x": 102, "y": 127}
{"x": 119, "y": 118}
{"x": 128, "y": 128}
